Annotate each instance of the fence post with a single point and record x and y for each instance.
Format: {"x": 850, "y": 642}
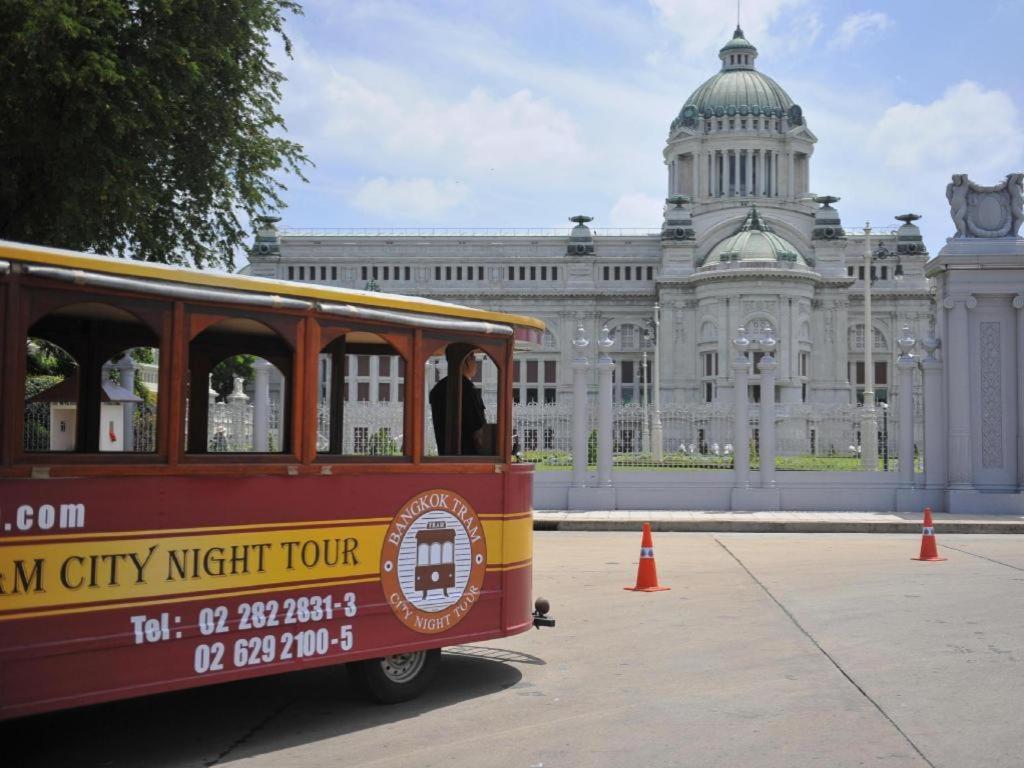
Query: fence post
{"x": 261, "y": 406}
{"x": 741, "y": 428}
{"x": 127, "y": 370}
{"x": 238, "y": 401}
{"x": 767, "y": 367}
{"x": 580, "y": 438}
{"x": 605, "y": 366}
{"x": 905, "y": 364}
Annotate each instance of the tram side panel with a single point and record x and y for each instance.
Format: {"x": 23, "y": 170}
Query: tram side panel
{"x": 201, "y": 580}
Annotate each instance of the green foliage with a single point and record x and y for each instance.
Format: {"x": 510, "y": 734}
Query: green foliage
{"x": 144, "y": 355}
{"x": 142, "y": 129}
{"x": 226, "y": 370}
{"x": 592, "y": 448}
{"x": 549, "y": 457}
{"x": 382, "y": 444}
{"x": 36, "y": 384}
{"x": 46, "y": 359}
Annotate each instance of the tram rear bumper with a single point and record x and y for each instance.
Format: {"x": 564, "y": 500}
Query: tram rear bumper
{"x": 540, "y": 613}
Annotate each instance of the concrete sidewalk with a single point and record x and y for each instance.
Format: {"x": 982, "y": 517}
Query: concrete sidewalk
{"x": 772, "y": 522}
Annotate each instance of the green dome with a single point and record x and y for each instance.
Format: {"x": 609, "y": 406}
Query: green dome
{"x": 740, "y": 92}
{"x": 738, "y": 89}
{"x": 753, "y": 243}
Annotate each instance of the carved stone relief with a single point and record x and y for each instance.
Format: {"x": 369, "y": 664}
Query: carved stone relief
{"x": 991, "y": 396}
{"x": 979, "y": 211}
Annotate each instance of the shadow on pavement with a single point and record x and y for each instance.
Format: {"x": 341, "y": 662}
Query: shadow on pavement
{"x": 214, "y": 725}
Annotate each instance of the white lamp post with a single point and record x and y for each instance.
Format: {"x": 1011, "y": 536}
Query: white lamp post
{"x": 656, "y": 434}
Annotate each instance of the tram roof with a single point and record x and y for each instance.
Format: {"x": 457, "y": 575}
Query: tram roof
{"x": 56, "y": 257}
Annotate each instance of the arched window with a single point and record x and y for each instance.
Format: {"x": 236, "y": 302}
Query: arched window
{"x": 83, "y": 386}
{"x": 462, "y": 419}
{"x": 228, "y": 357}
{"x": 856, "y": 339}
{"x": 361, "y": 394}
{"x": 757, "y": 328}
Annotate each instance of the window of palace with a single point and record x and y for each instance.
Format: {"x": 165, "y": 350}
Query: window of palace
{"x": 709, "y": 372}
{"x": 534, "y": 381}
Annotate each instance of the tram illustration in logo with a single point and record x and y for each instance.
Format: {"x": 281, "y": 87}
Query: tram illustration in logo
{"x": 435, "y": 558}
{"x": 433, "y": 561}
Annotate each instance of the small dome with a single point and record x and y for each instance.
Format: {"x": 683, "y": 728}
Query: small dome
{"x": 753, "y": 243}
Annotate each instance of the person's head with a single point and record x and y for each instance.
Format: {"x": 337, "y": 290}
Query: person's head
{"x": 469, "y": 366}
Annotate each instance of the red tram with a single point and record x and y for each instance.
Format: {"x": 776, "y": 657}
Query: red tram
{"x": 157, "y": 534}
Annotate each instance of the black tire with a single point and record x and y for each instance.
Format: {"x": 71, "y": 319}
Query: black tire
{"x": 392, "y": 679}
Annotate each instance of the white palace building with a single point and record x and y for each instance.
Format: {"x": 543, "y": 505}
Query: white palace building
{"x": 742, "y": 243}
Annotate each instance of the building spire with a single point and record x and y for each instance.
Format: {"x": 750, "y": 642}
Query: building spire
{"x": 738, "y": 25}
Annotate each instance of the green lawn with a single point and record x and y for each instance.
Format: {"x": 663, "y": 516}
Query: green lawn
{"x": 561, "y": 461}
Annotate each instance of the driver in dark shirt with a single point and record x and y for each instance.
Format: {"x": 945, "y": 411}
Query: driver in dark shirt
{"x": 473, "y": 416}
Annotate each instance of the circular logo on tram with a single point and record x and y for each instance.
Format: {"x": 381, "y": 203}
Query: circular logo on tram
{"x": 433, "y": 561}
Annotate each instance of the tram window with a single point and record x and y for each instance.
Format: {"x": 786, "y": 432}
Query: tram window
{"x": 363, "y": 412}
{"x": 474, "y": 422}
{"x": 84, "y": 390}
{"x": 238, "y": 389}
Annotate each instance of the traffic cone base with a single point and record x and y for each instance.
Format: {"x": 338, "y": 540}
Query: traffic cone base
{"x": 646, "y": 571}
{"x": 929, "y": 549}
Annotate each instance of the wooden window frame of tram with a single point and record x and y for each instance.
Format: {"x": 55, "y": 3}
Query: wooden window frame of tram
{"x": 25, "y": 299}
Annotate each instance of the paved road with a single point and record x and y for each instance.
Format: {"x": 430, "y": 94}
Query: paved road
{"x": 769, "y": 650}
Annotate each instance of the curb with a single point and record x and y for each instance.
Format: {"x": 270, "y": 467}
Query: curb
{"x": 541, "y": 523}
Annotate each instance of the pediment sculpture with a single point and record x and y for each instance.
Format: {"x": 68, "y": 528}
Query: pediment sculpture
{"x": 979, "y": 211}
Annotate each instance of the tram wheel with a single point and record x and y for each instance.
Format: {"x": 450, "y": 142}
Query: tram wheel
{"x": 396, "y": 678}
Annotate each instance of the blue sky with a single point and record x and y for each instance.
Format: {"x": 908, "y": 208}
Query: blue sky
{"x": 458, "y": 113}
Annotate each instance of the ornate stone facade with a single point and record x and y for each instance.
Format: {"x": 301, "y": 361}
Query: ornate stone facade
{"x": 740, "y": 144}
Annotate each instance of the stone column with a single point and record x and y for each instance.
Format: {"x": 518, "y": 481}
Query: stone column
{"x": 767, "y": 368}
{"x": 127, "y": 370}
{"x": 741, "y": 425}
{"x": 906, "y": 365}
{"x": 580, "y": 449}
{"x": 934, "y": 418}
{"x": 762, "y": 177}
{"x": 695, "y": 162}
{"x": 959, "y": 403}
{"x": 791, "y": 168}
{"x": 1018, "y": 304}
{"x": 261, "y": 406}
{"x": 605, "y": 366}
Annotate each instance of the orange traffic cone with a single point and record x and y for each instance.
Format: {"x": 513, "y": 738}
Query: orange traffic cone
{"x": 646, "y": 572}
{"x": 929, "y": 551}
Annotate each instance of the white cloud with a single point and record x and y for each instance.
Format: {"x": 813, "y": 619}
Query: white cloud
{"x": 418, "y": 198}
{"x": 885, "y": 159}
{"x": 386, "y": 117}
{"x": 636, "y": 210}
{"x": 705, "y": 25}
{"x": 858, "y": 25}
{"x": 967, "y": 128}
